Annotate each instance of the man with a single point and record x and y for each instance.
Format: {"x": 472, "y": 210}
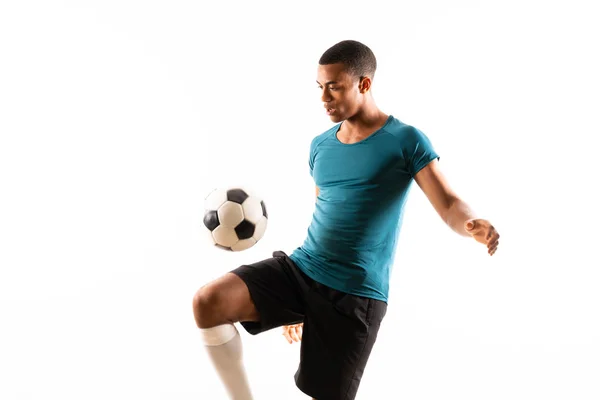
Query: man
{"x": 335, "y": 286}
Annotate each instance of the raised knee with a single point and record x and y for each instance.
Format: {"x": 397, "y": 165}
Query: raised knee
{"x": 204, "y": 305}
{"x": 225, "y": 300}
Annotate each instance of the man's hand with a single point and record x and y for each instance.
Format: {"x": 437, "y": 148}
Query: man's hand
{"x": 483, "y": 231}
{"x": 293, "y": 333}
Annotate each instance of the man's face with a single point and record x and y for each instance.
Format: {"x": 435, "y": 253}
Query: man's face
{"x": 340, "y": 91}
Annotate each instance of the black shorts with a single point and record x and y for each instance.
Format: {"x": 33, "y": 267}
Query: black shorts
{"x": 339, "y": 328}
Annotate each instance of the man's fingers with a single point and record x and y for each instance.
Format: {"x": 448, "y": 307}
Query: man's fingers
{"x": 492, "y": 237}
{"x": 294, "y": 335}
{"x": 286, "y": 334}
{"x": 491, "y": 233}
{"x": 296, "y": 332}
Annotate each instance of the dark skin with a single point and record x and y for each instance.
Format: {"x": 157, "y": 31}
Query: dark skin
{"x": 348, "y": 99}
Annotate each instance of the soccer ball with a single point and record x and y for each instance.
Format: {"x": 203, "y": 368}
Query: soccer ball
{"x": 235, "y": 219}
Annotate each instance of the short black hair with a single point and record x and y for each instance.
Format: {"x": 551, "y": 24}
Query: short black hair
{"x": 357, "y": 57}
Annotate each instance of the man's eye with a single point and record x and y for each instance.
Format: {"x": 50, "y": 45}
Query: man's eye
{"x": 332, "y": 88}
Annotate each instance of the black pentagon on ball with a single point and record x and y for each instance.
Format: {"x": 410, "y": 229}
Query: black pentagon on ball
{"x": 264, "y": 209}
{"x": 244, "y": 230}
{"x": 211, "y": 220}
{"x": 237, "y": 195}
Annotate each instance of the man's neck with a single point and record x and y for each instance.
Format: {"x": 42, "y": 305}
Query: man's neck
{"x": 361, "y": 125}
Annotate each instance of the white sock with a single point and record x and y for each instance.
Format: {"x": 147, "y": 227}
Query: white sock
{"x": 224, "y": 346}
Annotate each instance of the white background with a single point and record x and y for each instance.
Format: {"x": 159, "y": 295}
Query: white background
{"x": 118, "y": 117}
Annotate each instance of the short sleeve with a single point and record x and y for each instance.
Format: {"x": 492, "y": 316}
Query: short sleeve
{"x": 311, "y": 156}
{"x": 420, "y": 151}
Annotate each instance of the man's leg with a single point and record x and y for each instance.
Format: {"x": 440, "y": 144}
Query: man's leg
{"x": 338, "y": 335}
{"x": 260, "y": 296}
{"x": 216, "y": 307}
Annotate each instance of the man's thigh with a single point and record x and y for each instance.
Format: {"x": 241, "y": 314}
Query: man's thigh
{"x": 276, "y": 293}
{"x": 338, "y": 335}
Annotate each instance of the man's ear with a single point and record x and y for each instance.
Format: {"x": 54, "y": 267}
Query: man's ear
{"x": 364, "y": 84}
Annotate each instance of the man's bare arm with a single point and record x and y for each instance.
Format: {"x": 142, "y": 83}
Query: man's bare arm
{"x": 454, "y": 211}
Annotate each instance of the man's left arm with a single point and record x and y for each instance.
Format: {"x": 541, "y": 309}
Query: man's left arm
{"x": 455, "y": 212}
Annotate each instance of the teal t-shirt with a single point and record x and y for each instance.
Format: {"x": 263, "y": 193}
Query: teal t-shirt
{"x": 363, "y": 186}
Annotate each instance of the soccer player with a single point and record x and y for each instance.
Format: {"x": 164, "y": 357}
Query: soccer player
{"x": 331, "y": 292}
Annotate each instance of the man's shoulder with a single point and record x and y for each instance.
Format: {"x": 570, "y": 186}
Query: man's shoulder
{"x": 324, "y": 135}
{"x": 401, "y": 129}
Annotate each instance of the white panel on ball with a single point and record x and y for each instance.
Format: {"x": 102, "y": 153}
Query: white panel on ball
{"x": 215, "y": 199}
{"x": 259, "y": 229}
{"x": 230, "y": 214}
{"x": 225, "y": 236}
{"x": 252, "y": 209}
{"x": 243, "y": 244}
